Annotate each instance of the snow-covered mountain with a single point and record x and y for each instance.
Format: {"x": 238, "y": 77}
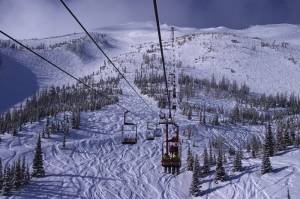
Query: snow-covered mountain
{"x": 96, "y": 165}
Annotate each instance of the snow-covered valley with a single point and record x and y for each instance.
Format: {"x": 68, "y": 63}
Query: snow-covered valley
{"x": 95, "y": 164}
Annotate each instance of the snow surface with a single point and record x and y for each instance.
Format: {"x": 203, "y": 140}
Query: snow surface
{"x": 96, "y": 165}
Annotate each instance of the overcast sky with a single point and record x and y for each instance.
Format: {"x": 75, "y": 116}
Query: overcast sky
{"x": 41, "y": 18}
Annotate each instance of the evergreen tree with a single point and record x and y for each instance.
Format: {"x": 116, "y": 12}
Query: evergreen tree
{"x": 286, "y": 138}
{"x": 279, "y": 140}
{"x": 197, "y": 167}
{"x": 204, "y": 117}
{"x": 190, "y": 160}
{"x": 235, "y": 115}
{"x": 266, "y": 163}
{"x": 297, "y": 141}
{"x": 37, "y": 165}
{"x": 18, "y": 175}
{"x": 64, "y": 141}
{"x": 27, "y": 175}
{"x": 254, "y": 146}
{"x": 220, "y": 171}
{"x": 248, "y": 147}
{"x": 195, "y": 186}
{"x": 237, "y": 163}
{"x": 76, "y": 119}
{"x": 6, "y": 188}
{"x": 206, "y": 166}
{"x": 190, "y": 114}
{"x": 23, "y": 169}
{"x": 200, "y": 116}
{"x": 224, "y": 159}
{"x": 269, "y": 142}
{"x": 211, "y": 156}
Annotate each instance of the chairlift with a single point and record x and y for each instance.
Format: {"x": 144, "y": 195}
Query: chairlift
{"x": 157, "y": 131}
{"x": 171, "y": 148}
{"x": 150, "y": 132}
{"x": 129, "y": 131}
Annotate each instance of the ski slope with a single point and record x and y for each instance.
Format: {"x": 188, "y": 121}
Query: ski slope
{"x": 96, "y": 165}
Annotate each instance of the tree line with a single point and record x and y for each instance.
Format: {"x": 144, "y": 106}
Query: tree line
{"x": 50, "y": 102}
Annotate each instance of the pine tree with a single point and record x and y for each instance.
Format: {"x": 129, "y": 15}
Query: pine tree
{"x": 254, "y": 146}
{"x": 237, "y": 163}
{"x": 6, "y": 188}
{"x": 286, "y": 138}
{"x": 64, "y": 141}
{"x": 197, "y": 167}
{"x": 211, "y": 157}
{"x": 204, "y": 117}
{"x": 190, "y": 160}
{"x": 11, "y": 172}
{"x": 23, "y": 169}
{"x": 206, "y": 166}
{"x": 37, "y": 165}
{"x": 279, "y": 140}
{"x": 248, "y": 147}
{"x": 190, "y": 114}
{"x": 200, "y": 116}
{"x": 220, "y": 171}
{"x": 297, "y": 141}
{"x": 224, "y": 159}
{"x": 195, "y": 186}
{"x": 27, "y": 175}
{"x": 235, "y": 115}
{"x": 269, "y": 142}
{"x": 18, "y": 175}
{"x": 266, "y": 163}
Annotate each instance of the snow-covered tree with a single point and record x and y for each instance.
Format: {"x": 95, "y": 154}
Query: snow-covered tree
{"x": 237, "y": 163}
{"x": 266, "y": 166}
{"x": 286, "y": 138}
{"x": 23, "y": 171}
{"x": 76, "y": 119}
{"x": 197, "y": 167}
{"x": 6, "y": 187}
{"x": 279, "y": 139}
{"x": 254, "y": 146}
{"x": 18, "y": 175}
{"x": 220, "y": 171}
{"x": 64, "y": 141}
{"x": 206, "y": 166}
{"x": 297, "y": 141}
{"x": 38, "y": 165}
{"x": 27, "y": 175}
{"x": 190, "y": 114}
{"x": 212, "y": 160}
{"x": 196, "y": 184}
{"x": 190, "y": 160}
{"x": 269, "y": 141}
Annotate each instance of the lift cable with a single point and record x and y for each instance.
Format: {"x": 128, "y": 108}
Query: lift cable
{"x": 162, "y": 56}
{"x": 104, "y": 53}
{"x": 64, "y": 71}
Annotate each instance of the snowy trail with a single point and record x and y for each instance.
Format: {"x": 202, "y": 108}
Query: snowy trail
{"x": 96, "y": 165}
{"x": 99, "y": 166}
